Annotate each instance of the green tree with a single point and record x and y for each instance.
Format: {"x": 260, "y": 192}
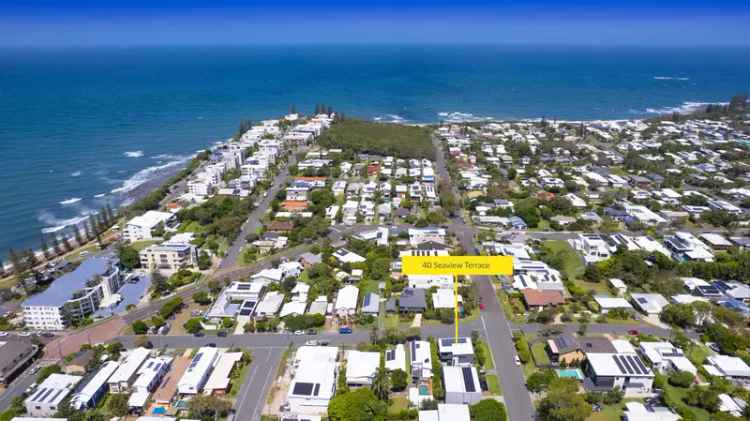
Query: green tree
{"x": 208, "y": 408}
{"x": 488, "y": 410}
{"x": 117, "y": 405}
{"x": 540, "y": 380}
{"x": 381, "y": 383}
{"x": 399, "y": 380}
{"x": 681, "y": 379}
{"x": 201, "y": 297}
{"x": 193, "y": 325}
{"x": 139, "y": 327}
{"x": 129, "y": 258}
{"x": 563, "y": 403}
{"x": 357, "y": 405}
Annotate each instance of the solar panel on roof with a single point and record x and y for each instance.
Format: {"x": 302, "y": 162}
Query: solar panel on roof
{"x": 619, "y": 364}
{"x": 317, "y": 389}
{"x": 626, "y": 363}
{"x": 303, "y": 389}
{"x": 390, "y": 355}
{"x": 641, "y": 365}
{"x": 246, "y": 312}
{"x": 44, "y": 398}
{"x": 468, "y": 379}
{"x": 367, "y": 300}
{"x": 632, "y": 360}
{"x": 413, "y": 351}
{"x": 243, "y": 287}
{"x": 57, "y": 393}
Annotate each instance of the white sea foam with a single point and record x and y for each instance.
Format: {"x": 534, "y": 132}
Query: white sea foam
{"x": 100, "y": 195}
{"x": 70, "y": 201}
{"x": 145, "y": 175}
{"x": 56, "y": 224}
{"x": 390, "y": 118}
{"x": 76, "y": 174}
{"x": 134, "y": 154}
{"x": 671, "y": 78}
{"x": 685, "y": 107}
{"x": 459, "y": 117}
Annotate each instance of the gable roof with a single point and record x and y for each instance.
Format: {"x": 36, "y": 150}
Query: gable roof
{"x": 537, "y": 297}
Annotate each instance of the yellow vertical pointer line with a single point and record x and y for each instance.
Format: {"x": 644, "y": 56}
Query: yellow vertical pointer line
{"x": 455, "y": 304}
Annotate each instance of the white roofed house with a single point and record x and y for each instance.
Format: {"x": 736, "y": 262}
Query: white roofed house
{"x": 685, "y": 246}
{"x": 122, "y": 379}
{"x": 141, "y": 227}
{"x": 270, "y": 304}
{"x": 313, "y": 383}
{"x": 218, "y": 382}
{"x": 446, "y": 412}
{"x": 456, "y": 351}
{"x": 395, "y": 358}
{"x": 361, "y": 367}
{"x": 606, "y": 371}
{"x": 733, "y": 368}
{"x": 649, "y": 303}
{"x": 45, "y": 400}
{"x": 346, "y": 256}
{"x": 593, "y": 247}
{"x": 95, "y": 389}
{"x": 665, "y": 357}
{"x": 461, "y": 384}
{"x": 607, "y": 304}
{"x": 421, "y": 359}
{"x": 149, "y": 377}
{"x": 197, "y": 373}
{"x": 346, "y": 301}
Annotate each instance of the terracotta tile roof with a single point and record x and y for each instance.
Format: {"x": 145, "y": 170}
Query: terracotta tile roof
{"x": 281, "y": 226}
{"x": 292, "y": 205}
{"x": 535, "y": 297}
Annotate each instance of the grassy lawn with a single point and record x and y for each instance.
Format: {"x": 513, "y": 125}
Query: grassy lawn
{"x": 192, "y": 226}
{"x": 140, "y": 245}
{"x": 539, "y": 354}
{"x": 391, "y": 321}
{"x": 398, "y": 404}
{"x": 572, "y": 264}
{"x": 678, "y": 394}
{"x": 493, "y": 384}
{"x": 488, "y": 363}
{"x": 507, "y": 307}
{"x": 238, "y": 381}
{"x": 608, "y": 413}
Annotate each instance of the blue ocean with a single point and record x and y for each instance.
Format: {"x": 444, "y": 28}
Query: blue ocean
{"x": 80, "y": 128}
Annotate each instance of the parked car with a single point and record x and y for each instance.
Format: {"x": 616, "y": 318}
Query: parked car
{"x": 222, "y": 334}
{"x": 517, "y": 360}
{"x": 345, "y": 330}
{"x": 312, "y": 343}
{"x": 481, "y": 306}
{"x": 299, "y": 332}
{"x": 312, "y": 331}
{"x": 633, "y": 332}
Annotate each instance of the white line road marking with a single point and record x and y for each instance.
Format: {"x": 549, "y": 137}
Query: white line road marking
{"x": 263, "y": 392}
{"x": 487, "y": 336}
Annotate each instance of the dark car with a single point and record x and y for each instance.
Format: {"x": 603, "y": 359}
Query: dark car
{"x": 199, "y": 334}
{"x": 312, "y": 331}
{"x": 222, "y": 334}
{"x": 211, "y": 345}
{"x": 633, "y": 332}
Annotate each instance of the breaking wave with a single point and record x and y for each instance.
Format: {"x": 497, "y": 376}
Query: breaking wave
{"x": 671, "y": 78}
{"x": 459, "y": 117}
{"x": 55, "y": 224}
{"x": 133, "y": 154}
{"x": 685, "y": 107}
{"x": 390, "y": 118}
{"x": 70, "y": 201}
{"x": 147, "y": 174}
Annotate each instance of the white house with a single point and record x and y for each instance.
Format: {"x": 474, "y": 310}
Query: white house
{"x": 395, "y": 358}
{"x": 141, "y": 227}
{"x": 196, "y": 375}
{"x": 461, "y": 385}
{"x": 346, "y": 301}
{"x": 649, "y": 303}
{"x": 314, "y": 381}
{"x": 623, "y": 370}
{"x": 45, "y": 400}
{"x": 361, "y": 367}
{"x": 665, "y": 357}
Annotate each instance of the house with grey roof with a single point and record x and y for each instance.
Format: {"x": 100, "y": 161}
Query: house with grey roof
{"x": 412, "y": 300}
{"x": 370, "y": 304}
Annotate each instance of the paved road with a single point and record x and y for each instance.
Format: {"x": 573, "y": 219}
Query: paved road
{"x": 496, "y": 328}
{"x": 18, "y": 387}
{"x": 254, "y": 219}
{"x": 252, "y": 395}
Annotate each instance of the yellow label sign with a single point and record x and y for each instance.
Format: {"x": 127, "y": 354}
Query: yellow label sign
{"x": 457, "y": 265}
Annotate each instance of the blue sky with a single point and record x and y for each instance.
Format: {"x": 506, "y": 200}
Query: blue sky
{"x": 231, "y": 22}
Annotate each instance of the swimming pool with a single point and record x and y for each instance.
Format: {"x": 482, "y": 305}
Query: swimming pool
{"x": 570, "y": 373}
{"x": 424, "y": 390}
{"x": 159, "y": 410}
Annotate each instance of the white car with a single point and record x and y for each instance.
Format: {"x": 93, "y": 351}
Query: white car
{"x": 25, "y": 334}
{"x": 517, "y": 360}
{"x": 299, "y": 332}
{"x": 3, "y": 334}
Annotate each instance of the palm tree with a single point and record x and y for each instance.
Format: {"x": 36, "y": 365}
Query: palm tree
{"x": 381, "y": 383}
